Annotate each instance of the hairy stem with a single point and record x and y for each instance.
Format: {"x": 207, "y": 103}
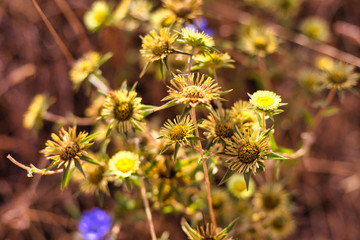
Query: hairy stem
{"x": 206, "y": 173}
{"x": 318, "y": 116}
{"x": 263, "y": 71}
{"x": 147, "y": 209}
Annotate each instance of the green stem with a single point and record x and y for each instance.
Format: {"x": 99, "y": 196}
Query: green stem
{"x": 98, "y": 81}
{"x": 318, "y": 116}
{"x": 262, "y": 68}
{"x": 190, "y": 61}
{"x": 206, "y": 173}
{"x": 263, "y": 121}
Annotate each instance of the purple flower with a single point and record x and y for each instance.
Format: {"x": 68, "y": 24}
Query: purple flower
{"x": 94, "y": 224}
{"x": 201, "y": 25}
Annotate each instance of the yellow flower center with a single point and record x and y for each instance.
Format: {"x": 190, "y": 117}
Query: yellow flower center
{"x": 247, "y": 116}
{"x": 69, "y": 152}
{"x": 278, "y": 223}
{"x": 270, "y": 201}
{"x": 224, "y": 129}
{"x": 193, "y": 92}
{"x": 125, "y": 165}
{"x": 178, "y": 133}
{"x": 337, "y": 77}
{"x": 239, "y": 187}
{"x": 265, "y": 101}
{"x": 248, "y": 153}
{"x": 313, "y": 31}
{"x": 160, "y": 49}
{"x": 123, "y": 111}
{"x": 100, "y": 15}
{"x": 260, "y": 43}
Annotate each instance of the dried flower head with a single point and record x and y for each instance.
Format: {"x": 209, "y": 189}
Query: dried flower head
{"x": 213, "y": 60}
{"x": 315, "y": 28}
{"x": 157, "y": 46}
{"x": 184, "y": 9}
{"x": 271, "y": 199}
{"x": 123, "y": 164}
{"x": 265, "y": 100}
{"x": 247, "y": 151}
{"x": 83, "y": 67}
{"x": 196, "y": 39}
{"x": 123, "y": 108}
{"x": 280, "y": 225}
{"x": 237, "y": 186}
{"x": 260, "y": 42}
{"x": 97, "y": 15}
{"x": 219, "y": 127}
{"x": 179, "y": 131}
{"x": 243, "y": 115}
{"x": 37, "y": 108}
{"x": 66, "y": 147}
{"x": 341, "y": 76}
{"x": 193, "y": 90}
{"x": 206, "y": 232}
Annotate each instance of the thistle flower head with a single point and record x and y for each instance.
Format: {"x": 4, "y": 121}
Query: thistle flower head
{"x": 243, "y": 115}
{"x": 196, "y": 39}
{"x": 265, "y": 100}
{"x": 97, "y": 15}
{"x": 123, "y": 164}
{"x": 179, "y": 131}
{"x": 184, "y": 9}
{"x": 315, "y": 28}
{"x": 280, "y": 225}
{"x": 123, "y": 108}
{"x": 271, "y": 199}
{"x": 260, "y": 42}
{"x": 193, "y": 90}
{"x": 66, "y": 147}
{"x": 94, "y": 224}
{"x": 219, "y": 127}
{"x": 214, "y": 60}
{"x": 157, "y": 46}
{"x": 341, "y": 76}
{"x": 84, "y": 66}
{"x": 247, "y": 151}
{"x": 37, "y": 108}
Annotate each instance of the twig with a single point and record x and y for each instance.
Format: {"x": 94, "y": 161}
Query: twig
{"x": 69, "y": 121}
{"x": 58, "y": 40}
{"x": 147, "y": 209}
{"x": 318, "y": 116}
{"x": 33, "y": 170}
{"x": 207, "y": 181}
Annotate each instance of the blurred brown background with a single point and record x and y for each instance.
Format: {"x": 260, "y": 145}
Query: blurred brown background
{"x": 326, "y": 195}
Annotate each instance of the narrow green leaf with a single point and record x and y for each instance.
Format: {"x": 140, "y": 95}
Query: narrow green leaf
{"x": 276, "y": 156}
{"x": 66, "y": 176}
{"x": 144, "y": 69}
{"x": 247, "y": 180}
{"x": 272, "y": 142}
{"x": 165, "y": 148}
{"x": 105, "y": 58}
{"x": 227, "y": 175}
{"x": 177, "y": 147}
{"x": 128, "y": 184}
{"x": 89, "y": 160}
{"x": 185, "y": 113}
{"x": 79, "y": 167}
{"x": 90, "y": 137}
{"x": 226, "y": 230}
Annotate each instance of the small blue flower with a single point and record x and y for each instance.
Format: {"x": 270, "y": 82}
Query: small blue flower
{"x": 200, "y": 24}
{"x": 94, "y": 224}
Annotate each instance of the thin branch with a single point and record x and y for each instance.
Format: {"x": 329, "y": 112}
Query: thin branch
{"x": 33, "y": 170}
{"x": 67, "y": 120}
{"x": 58, "y": 40}
{"x": 147, "y": 209}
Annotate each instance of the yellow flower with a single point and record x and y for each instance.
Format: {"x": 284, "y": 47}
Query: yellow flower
{"x": 67, "y": 147}
{"x": 162, "y": 18}
{"x": 97, "y": 15}
{"x": 243, "y": 115}
{"x": 213, "y": 60}
{"x": 247, "y": 151}
{"x": 315, "y": 28}
{"x": 341, "y": 76}
{"x": 260, "y": 42}
{"x": 325, "y": 63}
{"x": 36, "y": 110}
{"x": 179, "y": 131}
{"x": 265, "y": 100}
{"x": 197, "y": 39}
{"x": 184, "y": 9}
{"x": 123, "y": 164}
{"x": 83, "y": 67}
{"x": 123, "y": 108}
{"x": 219, "y": 127}
{"x": 271, "y": 199}
{"x": 237, "y": 186}
{"x": 157, "y": 46}
{"x": 188, "y": 89}
{"x": 312, "y": 81}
